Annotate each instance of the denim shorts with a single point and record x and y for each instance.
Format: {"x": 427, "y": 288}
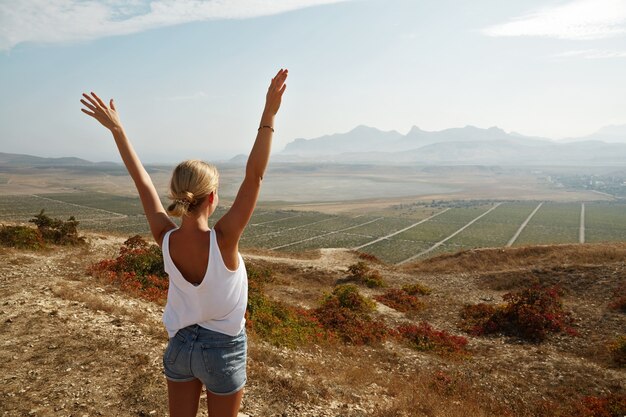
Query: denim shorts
{"x": 216, "y": 359}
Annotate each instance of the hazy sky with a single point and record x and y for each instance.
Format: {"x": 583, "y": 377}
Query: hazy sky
{"x": 189, "y": 76}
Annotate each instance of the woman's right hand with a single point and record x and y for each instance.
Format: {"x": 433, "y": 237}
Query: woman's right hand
{"x": 106, "y": 115}
{"x": 275, "y": 92}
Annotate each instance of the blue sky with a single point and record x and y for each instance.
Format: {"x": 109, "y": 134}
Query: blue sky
{"x": 189, "y": 76}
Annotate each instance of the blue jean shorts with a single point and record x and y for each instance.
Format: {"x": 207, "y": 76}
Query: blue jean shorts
{"x": 216, "y": 359}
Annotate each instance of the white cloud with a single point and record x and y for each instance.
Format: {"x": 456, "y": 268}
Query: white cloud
{"x": 578, "y": 20}
{"x": 592, "y": 54}
{"x": 53, "y": 21}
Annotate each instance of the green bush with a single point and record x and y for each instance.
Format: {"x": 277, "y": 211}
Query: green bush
{"x": 277, "y": 322}
{"x": 57, "y": 231}
{"x": 20, "y": 237}
{"x": 362, "y": 273}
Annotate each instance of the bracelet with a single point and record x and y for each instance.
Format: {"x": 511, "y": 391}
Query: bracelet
{"x": 269, "y": 127}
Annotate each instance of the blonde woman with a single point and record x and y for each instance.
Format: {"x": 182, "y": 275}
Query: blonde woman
{"x": 207, "y": 296}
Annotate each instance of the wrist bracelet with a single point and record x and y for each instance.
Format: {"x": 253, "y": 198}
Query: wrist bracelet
{"x": 269, "y": 127}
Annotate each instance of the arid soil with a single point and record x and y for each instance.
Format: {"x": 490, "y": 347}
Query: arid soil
{"x": 75, "y": 346}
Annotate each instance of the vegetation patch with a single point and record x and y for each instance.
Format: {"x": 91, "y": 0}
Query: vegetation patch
{"x": 346, "y": 313}
{"x": 618, "y": 351}
{"x": 361, "y": 272}
{"x": 48, "y": 231}
{"x": 20, "y": 237}
{"x": 138, "y": 269}
{"x": 400, "y": 300}
{"x": 416, "y": 289}
{"x": 57, "y": 231}
{"x": 618, "y": 302}
{"x": 531, "y": 314}
{"x": 613, "y": 405}
{"x": 277, "y": 322}
{"x": 424, "y": 337}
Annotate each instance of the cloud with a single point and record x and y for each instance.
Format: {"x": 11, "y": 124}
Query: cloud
{"x": 52, "y": 21}
{"x": 577, "y": 20}
{"x": 592, "y": 54}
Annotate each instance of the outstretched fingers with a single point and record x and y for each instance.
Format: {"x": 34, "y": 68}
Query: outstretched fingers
{"x": 92, "y": 114}
{"x": 88, "y": 105}
{"x": 91, "y": 100}
{"x": 100, "y": 102}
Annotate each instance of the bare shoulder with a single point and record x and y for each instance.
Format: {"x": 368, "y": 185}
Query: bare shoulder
{"x": 162, "y": 233}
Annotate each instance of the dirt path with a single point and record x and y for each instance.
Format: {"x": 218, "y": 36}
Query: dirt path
{"x": 581, "y": 231}
{"x": 118, "y": 215}
{"x": 523, "y": 226}
{"x": 441, "y": 242}
{"x": 401, "y": 230}
{"x": 327, "y": 234}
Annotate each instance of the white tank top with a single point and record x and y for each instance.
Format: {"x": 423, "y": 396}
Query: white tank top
{"x": 218, "y": 303}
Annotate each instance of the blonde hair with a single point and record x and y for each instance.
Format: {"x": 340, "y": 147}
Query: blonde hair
{"x": 192, "y": 181}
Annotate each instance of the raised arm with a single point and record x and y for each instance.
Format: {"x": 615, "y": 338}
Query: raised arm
{"x": 158, "y": 219}
{"x": 230, "y": 227}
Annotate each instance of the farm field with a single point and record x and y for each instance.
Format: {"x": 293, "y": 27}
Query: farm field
{"x": 394, "y": 234}
{"x": 553, "y": 223}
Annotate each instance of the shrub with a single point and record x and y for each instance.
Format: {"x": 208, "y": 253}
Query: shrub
{"x": 368, "y": 257}
{"x": 138, "y": 269}
{"x": 613, "y": 405}
{"x": 21, "y": 237}
{"x": 426, "y": 338}
{"x": 480, "y": 319}
{"x": 58, "y": 231}
{"x": 345, "y": 312}
{"x": 400, "y": 300}
{"x": 442, "y": 383}
{"x": 416, "y": 289}
{"x": 362, "y": 273}
{"x": 618, "y": 302}
{"x": 531, "y": 314}
{"x": 348, "y": 297}
{"x": 618, "y": 350}
{"x": 277, "y": 322}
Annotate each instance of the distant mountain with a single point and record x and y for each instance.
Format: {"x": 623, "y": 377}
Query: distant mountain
{"x": 467, "y": 145}
{"x": 608, "y": 134}
{"x": 361, "y": 137}
{"x": 22, "y": 160}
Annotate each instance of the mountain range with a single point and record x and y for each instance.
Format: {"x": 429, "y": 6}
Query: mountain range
{"x": 466, "y": 145}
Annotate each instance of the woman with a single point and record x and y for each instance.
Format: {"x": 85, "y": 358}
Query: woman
{"x": 207, "y": 296}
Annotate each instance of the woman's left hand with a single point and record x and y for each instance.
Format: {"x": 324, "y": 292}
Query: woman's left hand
{"x": 96, "y": 108}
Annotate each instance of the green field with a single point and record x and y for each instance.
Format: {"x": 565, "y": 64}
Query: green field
{"x": 291, "y": 230}
{"x": 553, "y": 223}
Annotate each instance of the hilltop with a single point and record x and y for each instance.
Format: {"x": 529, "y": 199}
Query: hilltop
{"x": 97, "y": 350}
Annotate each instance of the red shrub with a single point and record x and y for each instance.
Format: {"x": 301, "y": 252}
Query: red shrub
{"x": 138, "y": 269}
{"x": 531, "y": 314}
{"x": 424, "y": 337}
{"x": 613, "y": 405}
{"x": 400, "y": 300}
{"x": 345, "y": 312}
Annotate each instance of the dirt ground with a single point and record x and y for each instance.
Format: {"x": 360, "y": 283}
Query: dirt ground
{"x": 74, "y": 346}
